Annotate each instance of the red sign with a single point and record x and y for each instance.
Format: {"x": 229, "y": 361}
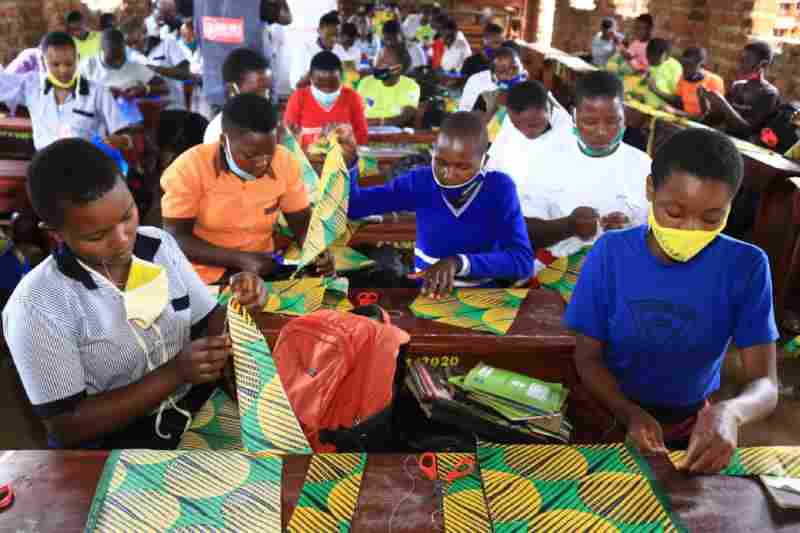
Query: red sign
{"x": 223, "y": 30}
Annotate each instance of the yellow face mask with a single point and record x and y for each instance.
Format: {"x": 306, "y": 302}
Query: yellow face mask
{"x": 61, "y": 85}
{"x": 680, "y": 244}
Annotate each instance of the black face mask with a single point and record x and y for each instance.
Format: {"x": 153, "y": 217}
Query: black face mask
{"x": 382, "y": 74}
{"x": 694, "y": 77}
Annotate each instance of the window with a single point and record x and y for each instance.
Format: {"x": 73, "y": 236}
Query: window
{"x": 631, "y": 8}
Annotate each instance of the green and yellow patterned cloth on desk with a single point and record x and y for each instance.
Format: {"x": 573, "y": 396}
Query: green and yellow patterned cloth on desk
{"x": 602, "y": 488}
{"x": 269, "y": 424}
{"x": 561, "y": 273}
{"x": 781, "y": 461}
{"x": 490, "y": 310}
{"x": 183, "y": 491}
{"x": 463, "y": 504}
{"x": 298, "y": 297}
{"x": 216, "y": 426}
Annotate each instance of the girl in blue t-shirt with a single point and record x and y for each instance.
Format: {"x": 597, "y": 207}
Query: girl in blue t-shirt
{"x": 657, "y": 306}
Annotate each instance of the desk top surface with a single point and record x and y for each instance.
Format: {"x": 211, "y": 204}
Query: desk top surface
{"x": 54, "y": 490}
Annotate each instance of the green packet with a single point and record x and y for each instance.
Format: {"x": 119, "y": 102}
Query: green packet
{"x": 515, "y": 387}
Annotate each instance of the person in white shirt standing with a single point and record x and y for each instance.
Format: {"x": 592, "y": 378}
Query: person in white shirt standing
{"x": 327, "y": 39}
{"x": 592, "y": 183}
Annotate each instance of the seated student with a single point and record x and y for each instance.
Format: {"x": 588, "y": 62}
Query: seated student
{"x": 111, "y": 68}
{"x": 687, "y": 100}
{"x": 482, "y": 60}
{"x": 63, "y": 104}
{"x": 243, "y": 72}
{"x": 116, "y": 339}
{"x": 165, "y": 57}
{"x": 391, "y": 99}
{"x": 485, "y": 241}
{"x": 636, "y": 52}
{"x": 86, "y": 42}
{"x": 222, "y": 200}
{"x": 752, "y": 100}
{"x": 605, "y": 43}
{"x": 108, "y": 21}
{"x": 665, "y": 71}
{"x": 178, "y": 131}
{"x": 657, "y": 306}
{"x": 606, "y": 185}
{"x": 393, "y": 36}
{"x": 327, "y": 40}
{"x": 506, "y": 71}
{"x": 456, "y": 47}
{"x": 536, "y": 125}
{"x": 351, "y": 51}
{"x": 325, "y": 103}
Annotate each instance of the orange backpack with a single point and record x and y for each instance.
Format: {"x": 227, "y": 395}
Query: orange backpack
{"x": 338, "y": 370}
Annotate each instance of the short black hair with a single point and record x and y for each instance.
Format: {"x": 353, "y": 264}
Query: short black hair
{"x": 393, "y": 27}
{"x": 493, "y": 29}
{"x": 598, "y": 84}
{"x": 180, "y": 130}
{"x": 647, "y": 19}
{"x": 526, "y": 95}
{"x": 401, "y": 55}
{"x": 249, "y": 112}
{"x": 69, "y": 173}
{"x": 113, "y": 38}
{"x": 607, "y": 23}
{"x": 703, "y": 153}
{"x": 329, "y": 19}
{"x": 695, "y": 54}
{"x": 240, "y": 62}
{"x": 507, "y": 52}
{"x": 658, "y": 47}
{"x": 449, "y": 24}
{"x": 74, "y": 17}
{"x": 349, "y": 29}
{"x": 57, "y": 39}
{"x": 106, "y": 21}
{"x": 326, "y": 61}
{"x": 762, "y": 50}
{"x": 466, "y": 124}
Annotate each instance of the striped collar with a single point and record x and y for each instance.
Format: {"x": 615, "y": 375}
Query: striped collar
{"x": 145, "y": 248}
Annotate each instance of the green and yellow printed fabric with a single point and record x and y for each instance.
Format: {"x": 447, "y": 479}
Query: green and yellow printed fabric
{"x": 294, "y": 297}
{"x": 310, "y": 177}
{"x": 328, "y": 499}
{"x": 329, "y": 215}
{"x": 269, "y": 424}
{"x": 561, "y": 273}
{"x": 490, "y": 310}
{"x": 496, "y": 123}
{"x": 368, "y": 166}
{"x": 792, "y": 348}
{"x": 463, "y": 503}
{"x": 180, "y": 491}
{"x": 216, "y": 426}
{"x": 780, "y": 461}
{"x": 600, "y": 488}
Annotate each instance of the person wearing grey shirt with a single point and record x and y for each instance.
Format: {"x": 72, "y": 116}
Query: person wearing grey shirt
{"x": 605, "y": 43}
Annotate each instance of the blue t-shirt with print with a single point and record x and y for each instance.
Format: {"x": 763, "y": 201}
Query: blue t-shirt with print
{"x": 666, "y": 328}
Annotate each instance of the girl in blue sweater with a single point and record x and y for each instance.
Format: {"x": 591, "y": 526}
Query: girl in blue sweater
{"x": 470, "y": 229}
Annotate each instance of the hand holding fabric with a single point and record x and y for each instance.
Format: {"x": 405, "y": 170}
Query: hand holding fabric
{"x": 713, "y": 441}
{"x": 584, "y": 222}
{"x": 439, "y": 280}
{"x": 646, "y": 433}
{"x": 204, "y": 360}
{"x": 249, "y": 290}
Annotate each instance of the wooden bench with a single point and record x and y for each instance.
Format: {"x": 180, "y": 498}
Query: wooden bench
{"x": 16, "y": 138}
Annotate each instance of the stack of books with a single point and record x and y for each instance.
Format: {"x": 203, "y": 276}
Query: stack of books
{"x": 495, "y": 404}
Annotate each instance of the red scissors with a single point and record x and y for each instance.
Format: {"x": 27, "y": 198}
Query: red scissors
{"x": 368, "y": 298}
{"x": 6, "y": 497}
{"x": 462, "y": 469}
{"x": 427, "y": 463}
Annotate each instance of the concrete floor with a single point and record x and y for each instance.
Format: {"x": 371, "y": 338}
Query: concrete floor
{"x": 22, "y": 431}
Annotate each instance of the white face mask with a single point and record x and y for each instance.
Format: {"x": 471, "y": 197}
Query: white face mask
{"x": 266, "y": 94}
{"x": 326, "y": 100}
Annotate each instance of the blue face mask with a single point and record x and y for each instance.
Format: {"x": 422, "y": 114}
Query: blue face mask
{"x": 326, "y": 100}
{"x": 488, "y": 52}
{"x": 593, "y": 152}
{"x": 246, "y": 176}
{"x": 458, "y": 195}
{"x": 506, "y": 85}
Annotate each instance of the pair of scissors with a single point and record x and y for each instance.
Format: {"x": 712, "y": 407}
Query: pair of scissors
{"x": 462, "y": 469}
{"x": 367, "y": 298}
{"x": 428, "y": 465}
{"x": 6, "y": 497}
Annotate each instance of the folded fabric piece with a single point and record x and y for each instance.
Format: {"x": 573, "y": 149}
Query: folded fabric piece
{"x": 216, "y": 426}
{"x": 345, "y": 258}
{"x": 328, "y": 499}
{"x": 568, "y": 488}
{"x": 490, "y": 310}
{"x": 329, "y": 214}
{"x": 268, "y": 421}
{"x": 496, "y": 123}
{"x": 561, "y": 273}
{"x": 187, "y": 491}
{"x": 780, "y": 461}
{"x": 463, "y": 503}
{"x": 310, "y": 177}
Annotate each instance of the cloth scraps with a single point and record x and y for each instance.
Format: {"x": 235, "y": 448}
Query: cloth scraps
{"x": 561, "y": 273}
{"x": 490, "y": 310}
{"x": 780, "y": 461}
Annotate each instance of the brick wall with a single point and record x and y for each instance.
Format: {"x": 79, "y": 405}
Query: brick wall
{"x": 24, "y": 22}
{"x": 723, "y": 27}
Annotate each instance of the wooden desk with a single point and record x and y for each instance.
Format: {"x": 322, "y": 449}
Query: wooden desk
{"x": 400, "y": 229}
{"x": 54, "y": 490}
{"x": 16, "y": 138}
{"x": 13, "y": 196}
{"x": 417, "y": 137}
